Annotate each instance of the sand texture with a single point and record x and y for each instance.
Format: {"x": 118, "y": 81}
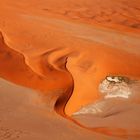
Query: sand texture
{"x": 54, "y": 56}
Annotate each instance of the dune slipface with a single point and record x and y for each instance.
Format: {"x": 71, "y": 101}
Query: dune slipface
{"x": 81, "y": 61}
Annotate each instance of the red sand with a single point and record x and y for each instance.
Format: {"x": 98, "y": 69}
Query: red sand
{"x": 65, "y": 48}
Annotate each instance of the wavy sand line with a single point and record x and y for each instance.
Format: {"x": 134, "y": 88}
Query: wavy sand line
{"x": 46, "y": 66}
{"x": 60, "y": 100}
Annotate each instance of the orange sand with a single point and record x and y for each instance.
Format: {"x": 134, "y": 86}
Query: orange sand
{"x": 65, "y": 48}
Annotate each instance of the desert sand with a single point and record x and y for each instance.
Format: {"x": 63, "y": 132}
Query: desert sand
{"x": 53, "y": 57}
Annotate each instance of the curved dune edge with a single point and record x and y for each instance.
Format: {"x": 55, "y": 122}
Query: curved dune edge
{"x": 17, "y": 61}
{"x": 19, "y": 64}
{"x": 60, "y": 100}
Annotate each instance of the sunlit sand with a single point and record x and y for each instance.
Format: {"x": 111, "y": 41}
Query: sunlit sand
{"x": 69, "y": 69}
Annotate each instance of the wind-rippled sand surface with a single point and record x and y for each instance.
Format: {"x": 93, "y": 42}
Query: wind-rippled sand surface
{"x": 63, "y": 50}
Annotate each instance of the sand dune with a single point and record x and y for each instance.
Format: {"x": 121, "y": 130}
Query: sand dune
{"x": 65, "y": 49}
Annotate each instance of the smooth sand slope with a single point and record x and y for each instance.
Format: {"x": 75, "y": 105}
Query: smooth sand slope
{"x": 64, "y": 49}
